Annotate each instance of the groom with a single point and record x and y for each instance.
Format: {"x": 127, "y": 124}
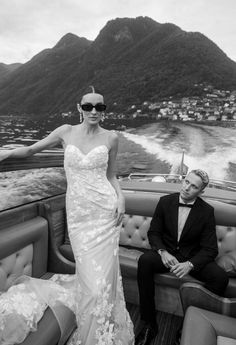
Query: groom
{"x": 182, "y": 236}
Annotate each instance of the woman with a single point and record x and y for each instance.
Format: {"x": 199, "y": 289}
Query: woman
{"x": 95, "y": 207}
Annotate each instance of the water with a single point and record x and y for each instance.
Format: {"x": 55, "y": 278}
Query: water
{"x": 157, "y": 146}
{"x": 209, "y": 148}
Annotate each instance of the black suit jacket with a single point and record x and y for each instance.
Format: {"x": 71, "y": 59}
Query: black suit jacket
{"x": 198, "y": 241}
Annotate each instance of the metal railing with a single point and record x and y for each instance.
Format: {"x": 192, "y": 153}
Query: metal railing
{"x": 178, "y": 178}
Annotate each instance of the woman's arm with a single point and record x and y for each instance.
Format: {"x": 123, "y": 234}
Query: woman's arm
{"x": 54, "y": 138}
{"x": 111, "y": 175}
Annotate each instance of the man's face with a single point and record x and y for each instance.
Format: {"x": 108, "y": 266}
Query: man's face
{"x": 191, "y": 187}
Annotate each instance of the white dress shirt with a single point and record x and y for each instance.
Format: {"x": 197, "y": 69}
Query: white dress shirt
{"x": 183, "y": 215}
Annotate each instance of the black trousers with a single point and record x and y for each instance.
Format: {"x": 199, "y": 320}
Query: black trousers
{"x": 215, "y": 279}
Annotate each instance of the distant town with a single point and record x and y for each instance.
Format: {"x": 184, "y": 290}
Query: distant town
{"x": 214, "y": 105}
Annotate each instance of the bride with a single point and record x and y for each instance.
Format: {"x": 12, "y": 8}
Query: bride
{"x": 95, "y": 207}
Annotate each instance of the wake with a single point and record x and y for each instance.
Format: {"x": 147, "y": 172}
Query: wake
{"x": 201, "y": 152}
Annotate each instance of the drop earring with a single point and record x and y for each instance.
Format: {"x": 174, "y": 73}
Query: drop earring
{"x": 81, "y": 117}
{"x": 80, "y": 113}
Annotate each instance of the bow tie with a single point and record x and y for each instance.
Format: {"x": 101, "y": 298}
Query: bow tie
{"x": 185, "y": 205}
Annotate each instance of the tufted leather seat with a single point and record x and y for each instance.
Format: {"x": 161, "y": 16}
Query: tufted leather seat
{"x": 21, "y": 248}
{"x": 24, "y": 251}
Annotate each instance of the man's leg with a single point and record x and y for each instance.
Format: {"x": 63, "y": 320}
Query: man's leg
{"x": 215, "y": 278}
{"x": 149, "y": 264}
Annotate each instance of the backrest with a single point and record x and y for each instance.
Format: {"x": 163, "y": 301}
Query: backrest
{"x": 53, "y": 209}
{"x": 140, "y": 207}
{"x": 23, "y": 250}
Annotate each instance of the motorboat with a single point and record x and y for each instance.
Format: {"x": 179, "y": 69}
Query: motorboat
{"x": 32, "y": 242}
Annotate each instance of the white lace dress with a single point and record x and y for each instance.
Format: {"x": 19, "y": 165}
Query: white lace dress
{"x": 91, "y": 203}
{"x": 95, "y": 292}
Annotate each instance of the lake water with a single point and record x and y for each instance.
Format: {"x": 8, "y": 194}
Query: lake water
{"x": 158, "y": 146}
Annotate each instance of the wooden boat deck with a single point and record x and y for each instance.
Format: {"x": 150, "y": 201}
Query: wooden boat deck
{"x": 168, "y": 325}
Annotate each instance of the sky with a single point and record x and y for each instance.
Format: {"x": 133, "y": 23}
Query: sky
{"x": 30, "y": 26}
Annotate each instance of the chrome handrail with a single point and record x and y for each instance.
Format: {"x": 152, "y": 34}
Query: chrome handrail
{"x": 230, "y": 185}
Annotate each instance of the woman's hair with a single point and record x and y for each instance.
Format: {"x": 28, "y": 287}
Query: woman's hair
{"x": 91, "y": 89}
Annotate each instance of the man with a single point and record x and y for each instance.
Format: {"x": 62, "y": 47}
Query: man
{"x": 182, "y": 236}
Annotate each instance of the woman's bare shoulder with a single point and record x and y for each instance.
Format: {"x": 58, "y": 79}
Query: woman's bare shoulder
{"x": 65, "y": 130}
{"x": 109, "y": 133}
{"x": 112, "y": 138}
{"x": 62, "y": 133}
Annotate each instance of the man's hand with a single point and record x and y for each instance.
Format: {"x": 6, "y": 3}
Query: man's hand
{"x": 168, "y": 259}
{"x": 181, "y": 269}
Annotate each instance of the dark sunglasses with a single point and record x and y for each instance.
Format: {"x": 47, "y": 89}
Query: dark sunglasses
{"x": 90, "y": 106}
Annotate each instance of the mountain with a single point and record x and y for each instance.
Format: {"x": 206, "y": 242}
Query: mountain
{"x": 132, "y": 60}
{"x": 5, "y": 69}
{"x": 40, "y": 84}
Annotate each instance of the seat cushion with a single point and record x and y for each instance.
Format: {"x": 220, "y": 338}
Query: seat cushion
{"x": 228, "y": 263}
{"x": 225, "y": 341}
{"x": 129, "y": 262}
{"x": 48, "y": 332}
{"x": 203, "y": 327}
{"x": 129, "y": 257}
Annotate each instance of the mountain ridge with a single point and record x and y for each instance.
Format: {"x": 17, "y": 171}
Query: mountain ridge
{"x": 132, "y": 60}
{"x": 8, "y": 68}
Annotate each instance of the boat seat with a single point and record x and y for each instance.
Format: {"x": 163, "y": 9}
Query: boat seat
{"x": 24, "y": 251}
{"x": 203, "y": 327}
{"x": 133, "y": 242}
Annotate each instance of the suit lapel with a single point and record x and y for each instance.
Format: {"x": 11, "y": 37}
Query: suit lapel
{"x": 174, "y": 209}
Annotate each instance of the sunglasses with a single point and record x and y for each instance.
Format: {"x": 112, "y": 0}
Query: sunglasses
{"x": 90, "y": 106}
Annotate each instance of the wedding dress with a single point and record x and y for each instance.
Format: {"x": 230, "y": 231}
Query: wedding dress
{"x": 91, "y": 203}
{"x": 95, "y": 292}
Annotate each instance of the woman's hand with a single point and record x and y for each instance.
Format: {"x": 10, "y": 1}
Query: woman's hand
{"x": 120, "y": 211}
{"x": 4, "y": 154}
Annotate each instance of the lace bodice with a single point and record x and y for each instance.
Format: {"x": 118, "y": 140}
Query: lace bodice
{"x": 87, "y": 172}
{"x": 95, "y": 159}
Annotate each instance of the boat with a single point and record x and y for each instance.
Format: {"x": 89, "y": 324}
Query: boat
{"x": 139, "y": 166}
{"x": 232, "y": 165}
{"x": 39, "y": 227}
{"x": 183, "y": 168}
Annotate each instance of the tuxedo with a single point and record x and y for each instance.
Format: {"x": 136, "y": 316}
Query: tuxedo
{"x": 198, "y": 241}
{"x": 197, "y": 244}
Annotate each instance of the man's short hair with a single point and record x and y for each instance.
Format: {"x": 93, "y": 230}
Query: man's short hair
{"x": 203, "y": 176}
